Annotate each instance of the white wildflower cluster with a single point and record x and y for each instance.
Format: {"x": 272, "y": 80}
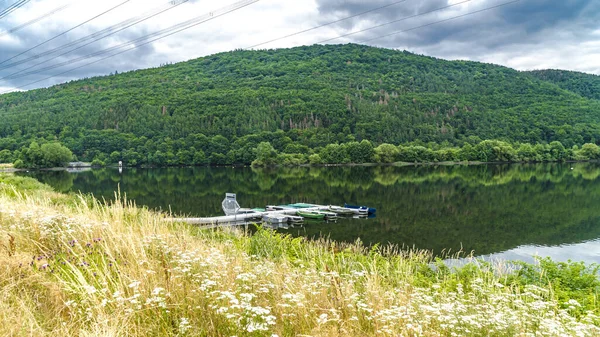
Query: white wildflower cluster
{"x": 45, "y": 222}
{"x": 184, "y": 326}
{"x": 310, "y": 282}
{"x": 157, "y": 300}
{"x": 157, "y": 243}
{"x": 293, "y": 300}
{"x": 482, "y": 311}
{"x": 241, "y": 310}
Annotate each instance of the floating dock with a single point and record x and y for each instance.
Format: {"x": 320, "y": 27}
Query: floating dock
{"x": 271, "y": 214}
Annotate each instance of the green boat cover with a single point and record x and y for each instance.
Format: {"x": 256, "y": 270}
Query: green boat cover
{"x": 301, "y": 205}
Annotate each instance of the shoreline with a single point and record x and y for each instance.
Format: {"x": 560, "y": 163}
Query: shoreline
{"x": 396, "y": 164}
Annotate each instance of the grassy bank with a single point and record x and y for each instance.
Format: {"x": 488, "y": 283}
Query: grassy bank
{"x": 71, "y": 266}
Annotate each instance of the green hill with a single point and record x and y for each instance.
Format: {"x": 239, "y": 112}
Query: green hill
{"x": 220, "y": 107}
{"x": 586, "y": 85}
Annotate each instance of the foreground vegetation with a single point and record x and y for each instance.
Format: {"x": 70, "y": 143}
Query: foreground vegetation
{"x": 218, "y": 109}
{"x": 71, "y": 266}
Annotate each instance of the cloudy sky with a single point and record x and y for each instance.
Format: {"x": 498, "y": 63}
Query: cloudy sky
{"x": 526, "y": 34}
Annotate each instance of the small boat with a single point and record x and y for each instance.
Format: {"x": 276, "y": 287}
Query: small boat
{"x": 275, "y": 218}
{"x": 301, "y": 205}
{"x": 278, "y": 208}
{"x": 348, "y": 211}
{"x": 370, "y": 210}
{"x": 329, "y": 215}
{"x": 311, "y": 214}
{"x": 295, "y": 219}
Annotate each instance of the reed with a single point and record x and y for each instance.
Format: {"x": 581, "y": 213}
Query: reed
{"x": 73, "y": 266}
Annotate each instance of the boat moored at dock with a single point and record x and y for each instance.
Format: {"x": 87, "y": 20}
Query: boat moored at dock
{"x": 370, "y": 210}
{"x": 282, "y": 214}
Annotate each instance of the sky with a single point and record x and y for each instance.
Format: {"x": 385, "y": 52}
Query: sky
{"x": 524, "y": 34}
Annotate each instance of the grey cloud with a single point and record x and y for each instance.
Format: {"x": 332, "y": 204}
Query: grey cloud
{"x": 133, "y": 59}
{"x": 524, "y": 24}
{"x": 332, "y": 9}
{"x": 537, "y": 15}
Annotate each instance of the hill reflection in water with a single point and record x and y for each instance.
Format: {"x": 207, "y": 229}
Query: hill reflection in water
{"x": 486, "y": 209}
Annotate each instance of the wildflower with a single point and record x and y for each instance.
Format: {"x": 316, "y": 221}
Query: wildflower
{"x": 184, "y": 325}
{"x": 134, "y": 284}
{"x": 255, "y": 326}
{"x": 322, "y": 319}
{"x": 90, "y": 289}
{"x": 245, "y": 277}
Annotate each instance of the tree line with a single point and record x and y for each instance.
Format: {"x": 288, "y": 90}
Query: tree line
{"x": 271, "y": 149}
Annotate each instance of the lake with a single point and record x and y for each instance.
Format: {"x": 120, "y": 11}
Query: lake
{"x": 495, "y": 211}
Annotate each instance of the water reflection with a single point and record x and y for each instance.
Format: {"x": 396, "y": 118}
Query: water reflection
{"x": 486, "y": 209}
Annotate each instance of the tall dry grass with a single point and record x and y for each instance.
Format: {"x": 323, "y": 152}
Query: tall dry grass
{"x": 70, "y": 266}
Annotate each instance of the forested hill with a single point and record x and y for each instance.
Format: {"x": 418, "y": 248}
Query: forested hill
{"x": 587, "y": 85}
{"x": 316, "y": 94}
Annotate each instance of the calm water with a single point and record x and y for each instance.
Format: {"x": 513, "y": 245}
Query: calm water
{"x": 497, "y": 211}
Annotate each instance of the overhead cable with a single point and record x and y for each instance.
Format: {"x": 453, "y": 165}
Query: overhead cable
{"x": 38, "y": 19}
{"x": 5, "y": 12}
{"x": 92, "y": 38}
{"x": 372, "y": 39}
{"x": 207, "y": 17}
{"x": 136, "y": 42}
{"x": 440, "y": 21}
{"x": 67, "y": 31}
{"x": 326, "y": 24}
{"x": 394, "y": 21}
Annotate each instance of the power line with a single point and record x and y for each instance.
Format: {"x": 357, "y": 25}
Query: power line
{"x": 97, "y": 36}
{"x": 379, "y": 37}
{"x": 171, "y": 4}
{"x": 326, "y": 24}
{"x": 440, "y": 21}
{"x": 5, "y": 12}
{"x": 136, "y": 42}
{"x": 12, "y": 8}
{"x": 15, "y": 29}
{"x": 208, "y": 17}
{"x": 65, "y": 32}
{"x": 395, "y": 21}
{"x": 12, "y": 76}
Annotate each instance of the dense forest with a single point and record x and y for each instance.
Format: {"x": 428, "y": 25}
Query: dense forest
{"x": 317, "y": 104}
{"x": 586, "y": 85}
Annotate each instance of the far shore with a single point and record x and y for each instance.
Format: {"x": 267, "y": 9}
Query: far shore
{"x": 10, "y": 168}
